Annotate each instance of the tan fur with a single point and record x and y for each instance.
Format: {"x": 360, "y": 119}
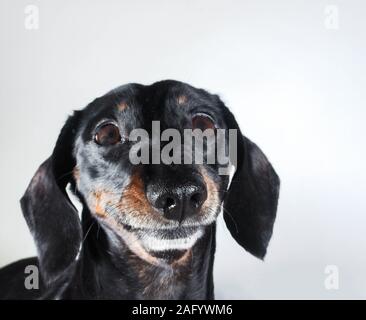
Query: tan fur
{"x": 76, "y": 173}
{"x": 212, "y": 192}
{"x": 182, "y": 99}
{"x": 134, "y": 197}
{"x": 122, "y": 106}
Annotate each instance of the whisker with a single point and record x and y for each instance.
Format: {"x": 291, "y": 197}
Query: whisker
{"x": 87, "y": 232}
{"x": 230, "y": 215}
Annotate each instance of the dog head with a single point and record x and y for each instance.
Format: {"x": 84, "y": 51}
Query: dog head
{"x": 166, "y": 199}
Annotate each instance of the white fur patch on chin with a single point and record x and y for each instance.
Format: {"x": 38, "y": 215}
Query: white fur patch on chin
{"x": 151, "y": 243}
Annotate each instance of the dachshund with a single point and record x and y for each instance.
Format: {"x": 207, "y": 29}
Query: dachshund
{"x": 146, "y": 230}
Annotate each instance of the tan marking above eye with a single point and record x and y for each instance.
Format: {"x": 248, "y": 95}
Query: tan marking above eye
{"x": 182, "y": 99}
{"x": 122, "y": 106}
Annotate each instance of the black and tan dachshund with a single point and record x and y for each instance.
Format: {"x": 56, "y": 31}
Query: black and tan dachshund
{"x": 146, "y": 231}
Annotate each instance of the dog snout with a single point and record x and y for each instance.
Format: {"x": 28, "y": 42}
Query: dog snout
{"x": 178, "y": 202}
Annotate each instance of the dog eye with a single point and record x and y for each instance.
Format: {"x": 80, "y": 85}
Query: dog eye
{"x": 203, "y": 121}
{"x": 107, "y": 134}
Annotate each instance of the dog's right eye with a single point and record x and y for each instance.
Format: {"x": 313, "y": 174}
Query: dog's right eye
{"x": 107, "y": 134}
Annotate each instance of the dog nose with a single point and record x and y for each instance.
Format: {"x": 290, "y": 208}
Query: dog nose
{"x": 179, "y": 202}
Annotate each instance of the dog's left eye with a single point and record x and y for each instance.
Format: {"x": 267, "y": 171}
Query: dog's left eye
{"x": 107, "y": 134}
{"x": 203, "y": 121}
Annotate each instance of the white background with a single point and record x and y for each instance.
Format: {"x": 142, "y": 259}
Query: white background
{"x": 296, "y": 87}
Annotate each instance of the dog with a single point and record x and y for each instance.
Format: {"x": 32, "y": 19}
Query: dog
{"x": 146, "y": 231}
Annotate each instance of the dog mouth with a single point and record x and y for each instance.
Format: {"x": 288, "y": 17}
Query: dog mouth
{"x": 180, "y": 239}
{"x": 166, "y": 245}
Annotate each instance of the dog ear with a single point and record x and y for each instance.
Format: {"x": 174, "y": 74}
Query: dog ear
{"x": 251, "y": 202}
{"x": 49, "y": 213}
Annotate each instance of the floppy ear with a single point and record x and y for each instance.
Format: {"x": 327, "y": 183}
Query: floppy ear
{"x": 251, "y": 202}
{"x": 49, "y": 213}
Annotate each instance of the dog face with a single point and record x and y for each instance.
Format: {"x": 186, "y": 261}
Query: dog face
{"x": 163, "y": 206}
{"x": 153, "y": 206}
